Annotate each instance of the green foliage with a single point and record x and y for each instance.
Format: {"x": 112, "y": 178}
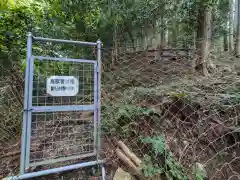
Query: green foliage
{"x": 149, "y": 169}
{"x": 178, "y": 95}
{"x": 231, "y": 96}
{"x": 129, "y": 111}
{"x": 118, "y": 119}
{"x": 175, "y": 170}
{"x": 170, "y": 168}
{"x": 232, "y": 90}
{"x": 157, "y": 143}
{"x": 232, "y": 99}
{"x": 14, "y": 24}
{"x": 90, "y": 20}
{"x": 198, "y": 174}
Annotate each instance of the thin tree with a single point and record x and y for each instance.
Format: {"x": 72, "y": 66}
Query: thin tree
{"x": 231, "y": 38}
{"x": 237, "y": 47}
{"x": 204, "y": 37}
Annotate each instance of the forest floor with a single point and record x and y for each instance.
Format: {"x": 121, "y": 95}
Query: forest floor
{"x": 197, "y": 116}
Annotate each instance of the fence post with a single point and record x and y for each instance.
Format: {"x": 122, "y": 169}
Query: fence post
{"x": 25, "y": 115}
{"x": 99, "y": 96}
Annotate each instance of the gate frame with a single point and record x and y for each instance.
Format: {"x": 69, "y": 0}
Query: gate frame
{"x": 28, "y": 109}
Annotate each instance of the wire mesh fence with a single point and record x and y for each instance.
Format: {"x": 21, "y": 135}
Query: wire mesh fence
{"x": 180, "y": 124}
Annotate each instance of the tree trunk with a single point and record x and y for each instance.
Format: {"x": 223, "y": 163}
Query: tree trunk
{"x": 194, "y": 40}
{"x": 225, "y": 42}
{"x": 145, "y": 42}
{"x": 130, "y": 34}
{"x": 115, "y": 47}
{"x": 174, "y": 35}
{"x": 204, "y": 41}
{"x": 175, "y": 26}
{"x": 231, "y": 39}
{"x": 237, "y": 47}
{"x": 166, "y": 37}
{"x": 162, "y": 35}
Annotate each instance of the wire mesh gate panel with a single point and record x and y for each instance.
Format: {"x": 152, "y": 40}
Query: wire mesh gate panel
{"x": 63, "y": 125}
{"x": 61, "y": 109}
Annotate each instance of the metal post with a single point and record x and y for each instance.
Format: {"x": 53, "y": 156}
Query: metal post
{"x": 99, "y": 96}
{"x": 25, "y": 115}
{"x": 29, "y": 113}
{"x": 103, "y": 173}
{"x": 95, "y": 108}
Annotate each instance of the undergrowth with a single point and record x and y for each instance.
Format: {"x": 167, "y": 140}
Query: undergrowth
{"x": 159, "y": 160}
{"x": 156, "y": 159}
{"x": 10, "y": 115}
{"x": 136, "y": 94}
{"x": 232, "y": 96}
{"x": 117, "y": 119}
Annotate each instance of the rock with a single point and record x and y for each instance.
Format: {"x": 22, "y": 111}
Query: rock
{"x": 122, "y": 175}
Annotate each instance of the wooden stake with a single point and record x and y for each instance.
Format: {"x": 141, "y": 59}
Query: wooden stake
{"x": 129, "y": 153}
{"x": 133, "y": 168}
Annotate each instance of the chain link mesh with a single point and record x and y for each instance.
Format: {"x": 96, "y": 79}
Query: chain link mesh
{"x": 173, "y": 118}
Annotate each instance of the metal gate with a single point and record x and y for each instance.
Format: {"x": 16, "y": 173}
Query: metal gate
{"x": 61, "y": 110}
